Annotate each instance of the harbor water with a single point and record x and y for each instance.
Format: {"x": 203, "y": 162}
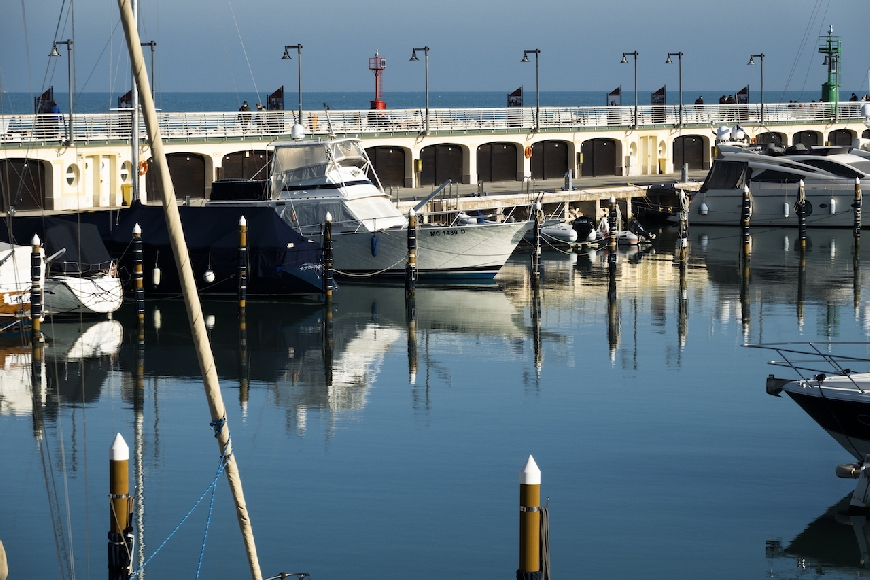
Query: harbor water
{"x": 386, "y": 441}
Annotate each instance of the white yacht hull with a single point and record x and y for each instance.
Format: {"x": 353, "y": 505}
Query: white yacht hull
{"x": 87, "y": 295}
{"x": 725, "y": 207}
{"x": 476, "y": 250}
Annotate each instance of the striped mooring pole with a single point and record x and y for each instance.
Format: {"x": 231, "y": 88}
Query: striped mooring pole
{"x": 138, "y": 273}
{"x": 530, "y": 522}
{"x": 802, "y": 214}
{"x": 243, "y": 263}
{"x": 411, "y": 268}
{"x": 857, "y": 205}
{"x": 611, "y": 222}
{"x": 328, "y": 260}
{"x": 745, "y": 215}
{"x": 536, "y": 251}
{"x": 120, "y": 511}
{"x": 36, "y": 290}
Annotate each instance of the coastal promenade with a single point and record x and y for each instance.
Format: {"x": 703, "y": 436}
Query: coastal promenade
{"x": 485, "y": 150}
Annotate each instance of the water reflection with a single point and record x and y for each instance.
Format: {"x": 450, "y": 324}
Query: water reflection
{"x": 835, "y": 541}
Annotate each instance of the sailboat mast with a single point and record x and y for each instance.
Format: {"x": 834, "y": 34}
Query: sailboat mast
{"x": 188, "y": 286}
{"x": 134, "y": 104}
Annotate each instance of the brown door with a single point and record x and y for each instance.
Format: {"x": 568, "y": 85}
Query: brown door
{"x": 689, "y": 149}
{"x": 599, "y": 157}
{"x": 187, "y": 171}
{"x": 22, "y": 184}
{"x": 389, "y": 164}
{"x": 440, "y": 163}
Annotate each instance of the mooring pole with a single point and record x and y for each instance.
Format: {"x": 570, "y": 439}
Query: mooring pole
{"x": 611, "y": 222}
{"x": 36, "y": 290}
{"x": 745, "y": 214}
{"x": 857, "y": 205}
{"x": 802, "y": 214}
{"x": 138, "y": 273}
{"x": 243, "y": 263}
{"x": 328, "y": 263}
{"x": 120, "y": 532}
{"x": 411, "y": 268}
{"x": 536, "y": 251}
{"x": 530, "y": 522}
{"x": 36, "y": 386}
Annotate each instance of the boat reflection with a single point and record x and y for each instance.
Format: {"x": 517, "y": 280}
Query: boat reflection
{"x": 835, "y": 541}
{"x": 314, "y": 357}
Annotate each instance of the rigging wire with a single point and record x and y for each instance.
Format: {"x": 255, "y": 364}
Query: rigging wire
{"x": 226, "y": 54}
{"x": 804, "y": 39}
{"x": 245, "y": 52}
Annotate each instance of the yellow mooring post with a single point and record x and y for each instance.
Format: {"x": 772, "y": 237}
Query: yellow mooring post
{"x": 120, "y": 530}
{"x": 530, "y": 522}
{"x": 243, "y": 263}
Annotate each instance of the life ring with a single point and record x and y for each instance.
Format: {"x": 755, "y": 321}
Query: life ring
{"x": 528, "y": 152}
{"x": 143, "y": 167}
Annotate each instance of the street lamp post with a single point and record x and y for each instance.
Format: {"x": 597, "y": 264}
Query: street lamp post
{"x": 152, "y": 44}
{"x": 752, "y": 58}
{"x": 624, "y": 61}
{"x": 54, "y": 52}
{"x": 669, "y": 61}
{"x": 526, "y": 54}
{"x": 286, "y": 56}
{"x": 414, "y": 58}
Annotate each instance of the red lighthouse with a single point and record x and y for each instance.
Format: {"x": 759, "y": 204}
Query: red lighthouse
{"x": 378, "y": 64}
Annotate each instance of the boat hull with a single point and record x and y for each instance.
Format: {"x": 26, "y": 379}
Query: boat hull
{"x": 725, "y": 207}
{"x": 83, "y": 295}
{"x": 460, "y": 251}
{"x": 843, "y": 413}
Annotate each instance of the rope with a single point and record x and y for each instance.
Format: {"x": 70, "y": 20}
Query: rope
{"x": 370, "y": 274}
{"x": 221, "y": 466}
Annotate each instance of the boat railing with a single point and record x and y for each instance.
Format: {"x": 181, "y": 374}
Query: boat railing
{"x": 818, "y": 360}
{"x": 268, "y": 125}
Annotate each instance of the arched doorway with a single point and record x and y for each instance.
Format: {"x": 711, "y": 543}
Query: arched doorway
{"x": 841, "y": 137}
{"x": 188, "y": 176}
{"x": 440, "y": 163}
{"x": 389, "y": 164}
{"x": 497, "y": 162}
{"x": 23, "y": 183}
{"x": 549, "y": 159}
{"x": 808, "y": 138}
{"x": 246, "y": 165}
{"x": 599, "y": 157}
{"x": 689, "y": 149}
{"x": 771, "y": 138}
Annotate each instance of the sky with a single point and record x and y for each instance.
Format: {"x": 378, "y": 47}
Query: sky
{"x": 475, "y": 45}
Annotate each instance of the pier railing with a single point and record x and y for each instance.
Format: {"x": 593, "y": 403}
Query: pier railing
{"x": 266, "y": 125}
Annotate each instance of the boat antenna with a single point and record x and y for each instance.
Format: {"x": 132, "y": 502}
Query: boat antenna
{"x": 328, "y": 120}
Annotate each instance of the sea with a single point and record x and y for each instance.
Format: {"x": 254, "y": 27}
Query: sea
{"x": 381, "y": 438}
{"x": 18, "y": 103}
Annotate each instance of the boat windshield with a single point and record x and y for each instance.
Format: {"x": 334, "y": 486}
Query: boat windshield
{"x": 726, "y": 175}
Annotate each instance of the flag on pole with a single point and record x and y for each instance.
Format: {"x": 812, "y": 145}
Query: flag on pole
{"x": 614, "y": 98}
{"x": 275, "y": 101}
{"x": 42, "y": 103}
{"x": 515, "y": 99}
{"x": 658, "y": 97}
{"x": 743, "y": 96}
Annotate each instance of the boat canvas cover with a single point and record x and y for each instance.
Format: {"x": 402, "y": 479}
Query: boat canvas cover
{"x": 84, "y": 248}
{"x": 212, "y": 236}
{"x": 726, "y": 175}
{"x": 14, "y": 268}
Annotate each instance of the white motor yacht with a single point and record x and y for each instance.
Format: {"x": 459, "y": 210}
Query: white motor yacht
{"x": 310, "y": 179}
{"x": 773, "y": 176}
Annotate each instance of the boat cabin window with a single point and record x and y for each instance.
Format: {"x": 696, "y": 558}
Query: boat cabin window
{"x": 726, "y": 175}
{"x": 834, "y": 168}
{"x": 773, "y": 176}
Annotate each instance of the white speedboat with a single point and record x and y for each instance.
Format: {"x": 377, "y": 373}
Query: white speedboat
{"x": 310, "y": 179}
{"x": 773, "y": 176}
{"x": 81, "y": 276}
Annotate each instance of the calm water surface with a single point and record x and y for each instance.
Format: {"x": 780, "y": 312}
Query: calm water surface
{"x": 368, "y": 451}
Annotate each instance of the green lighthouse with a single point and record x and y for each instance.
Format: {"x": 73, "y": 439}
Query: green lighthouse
{"x": 831, "y": 47}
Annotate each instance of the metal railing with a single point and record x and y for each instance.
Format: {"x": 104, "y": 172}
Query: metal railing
{"x": 267, "y": 125}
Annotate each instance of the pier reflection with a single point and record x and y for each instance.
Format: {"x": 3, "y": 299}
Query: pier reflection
{"x": 836, "y": 541}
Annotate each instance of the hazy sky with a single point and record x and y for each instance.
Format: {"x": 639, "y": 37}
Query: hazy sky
{"x": 476, "y": 45}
